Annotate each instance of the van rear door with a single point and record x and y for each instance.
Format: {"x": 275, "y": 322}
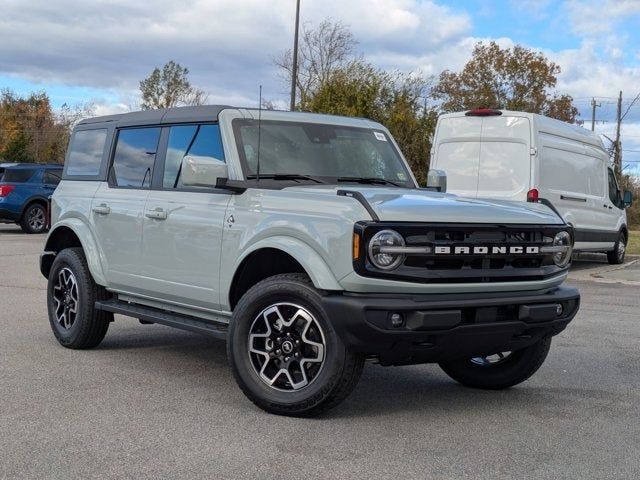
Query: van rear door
{"x": 485, "y": 157}
{"x": 457, "y": 152}
{"x": 505, "y": 158}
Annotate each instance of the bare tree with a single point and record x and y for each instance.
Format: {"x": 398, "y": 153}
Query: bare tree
{"x": 321, "y": 51}
{"x": 169, "y": 87}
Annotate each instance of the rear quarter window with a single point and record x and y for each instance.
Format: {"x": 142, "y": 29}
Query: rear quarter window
{"x": 85, "y": 152}
{"x": 52, "y": 177}
{"x": 18, "y": 175}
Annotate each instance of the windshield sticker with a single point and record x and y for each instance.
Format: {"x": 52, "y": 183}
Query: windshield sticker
{"x": 380, "y": 136}
{"x": 402, "y": 176}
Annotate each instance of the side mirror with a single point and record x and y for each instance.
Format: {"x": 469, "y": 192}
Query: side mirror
{"x": 202, "y": 171}
{"x": 627, "y": 198}
{"x": 437, "y": 179}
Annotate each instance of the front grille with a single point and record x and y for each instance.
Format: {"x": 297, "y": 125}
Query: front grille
{"x": 486, "y": 260}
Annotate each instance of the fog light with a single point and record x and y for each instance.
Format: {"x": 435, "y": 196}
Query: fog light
{"x": 396, "y": 320}
{"x": 559, "y": 309}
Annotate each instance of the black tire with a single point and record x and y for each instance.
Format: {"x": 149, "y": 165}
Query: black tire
{"x": 338, "y": 372}
{"x": 87, "y": 327}
{"x": 34, "y": 219}
{"x": 517, "y": 367}
{"x": 616, "y": 256}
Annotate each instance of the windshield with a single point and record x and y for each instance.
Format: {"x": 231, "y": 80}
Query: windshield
{"x": 331, "y": 153}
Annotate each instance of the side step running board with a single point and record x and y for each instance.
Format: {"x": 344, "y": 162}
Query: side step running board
{"x": 154, "y": 315}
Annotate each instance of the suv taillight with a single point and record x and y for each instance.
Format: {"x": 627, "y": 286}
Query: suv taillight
{"x": 532, "y": 195}
{"x": 6, "y": 190}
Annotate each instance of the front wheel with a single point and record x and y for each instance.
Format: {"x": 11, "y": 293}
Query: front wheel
{"x": 616, "y": 256}
{"x": 500, "y": 370}
{"x": 71, "y": 294}
{"x": 284, "y": 353}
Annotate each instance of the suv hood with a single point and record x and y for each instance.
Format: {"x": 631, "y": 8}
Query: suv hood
{"x": 415, "y": 205}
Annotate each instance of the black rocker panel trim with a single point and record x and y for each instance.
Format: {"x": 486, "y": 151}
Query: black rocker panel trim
{"x": 585, "y": 235}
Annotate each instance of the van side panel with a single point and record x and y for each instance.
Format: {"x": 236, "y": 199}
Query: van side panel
{"x": 572, "y": 176}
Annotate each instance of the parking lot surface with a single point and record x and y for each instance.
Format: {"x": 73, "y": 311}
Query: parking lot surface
{"x": 153, "y": 402}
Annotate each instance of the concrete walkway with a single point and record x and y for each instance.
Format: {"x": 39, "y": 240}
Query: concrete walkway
{"x": 594, "y": 268}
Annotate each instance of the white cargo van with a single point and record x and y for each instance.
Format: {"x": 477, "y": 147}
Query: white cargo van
{"x": 518, "y": 156}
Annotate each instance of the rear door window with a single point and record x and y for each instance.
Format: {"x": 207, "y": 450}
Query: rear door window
{"x": 18, "y": 175}
{"x": 134, "y": 157}
{"x": 194, "y": 140}
{"x": 85, "y": 152}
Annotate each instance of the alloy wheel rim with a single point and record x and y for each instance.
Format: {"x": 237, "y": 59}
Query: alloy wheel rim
{"x": 286, "y": 347}
{"x": 491, "y": 360}
{"x": 36, "y": 219}
{"x": 65, "y": 298}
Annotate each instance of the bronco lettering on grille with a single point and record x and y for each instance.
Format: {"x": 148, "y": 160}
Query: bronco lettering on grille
{"x": 486, "y": 250}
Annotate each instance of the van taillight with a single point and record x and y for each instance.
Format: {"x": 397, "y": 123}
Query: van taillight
{"x": 6, "y": 190}
{"x": 532, "y": 195}
{"x": 483, "y": 112}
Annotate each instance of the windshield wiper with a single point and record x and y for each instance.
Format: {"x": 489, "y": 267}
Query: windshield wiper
{"x": 284, "y": 176}
{"x": 368, "y": 180}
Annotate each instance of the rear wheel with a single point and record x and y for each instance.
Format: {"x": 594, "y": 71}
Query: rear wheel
{"x": 71, "y": 294}
{"x": 616, "y": 256}
{"x": 500, "y": 370}
{"x": 34, "y": 219}
{"x": 284, "y": 353}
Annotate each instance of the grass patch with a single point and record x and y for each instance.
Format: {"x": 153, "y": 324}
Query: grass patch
{"x": 633, "y": 246}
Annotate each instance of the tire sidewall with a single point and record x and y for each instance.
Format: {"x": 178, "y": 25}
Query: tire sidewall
{"x": 518, "y": 367}
{"x": 254, "y": 302}
{"x": 622, "y": 240}
{"x": 70, "y": 260}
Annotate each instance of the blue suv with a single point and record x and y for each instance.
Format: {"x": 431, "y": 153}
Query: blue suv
{"x": 24, "y": 193}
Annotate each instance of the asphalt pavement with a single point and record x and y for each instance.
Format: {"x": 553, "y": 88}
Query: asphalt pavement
{"x": 153, "y": 402}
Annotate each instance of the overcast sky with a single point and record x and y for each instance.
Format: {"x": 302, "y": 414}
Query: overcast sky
{"x": 97, "y": 51}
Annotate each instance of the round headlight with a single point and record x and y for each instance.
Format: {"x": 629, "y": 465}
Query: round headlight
{"x": 563, "y": 257}
{"x": 382, "y": 259}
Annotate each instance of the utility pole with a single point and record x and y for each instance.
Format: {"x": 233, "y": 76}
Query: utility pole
{"x": 617, "y": 156}
{"x": 294, "y": 66}
{"x": 593, "y": 113}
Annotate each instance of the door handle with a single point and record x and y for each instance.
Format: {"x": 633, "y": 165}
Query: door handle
{"x": 102, "y": 209}
{"x": 156, "y": 214}
{"x": 575, "y": 199}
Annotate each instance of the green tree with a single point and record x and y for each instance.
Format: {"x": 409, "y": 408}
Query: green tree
{"x": 169, "y": 87}
{"x": 511, "y": 78}
{"x": 30, "y": 129}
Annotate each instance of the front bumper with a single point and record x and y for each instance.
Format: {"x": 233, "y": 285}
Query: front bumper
{"x": 445, "y": 327}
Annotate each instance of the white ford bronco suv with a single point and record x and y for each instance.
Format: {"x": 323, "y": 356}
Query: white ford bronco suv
{"x": 305, "y": 242}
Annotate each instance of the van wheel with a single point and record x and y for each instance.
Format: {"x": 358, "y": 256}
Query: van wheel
{"x": 616, "y": 256}
{"x": 501, "y": 370}
{"x": 34, "y": 219}
{"x": 71, "y": 294}
{"x": 284, "y": 353}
